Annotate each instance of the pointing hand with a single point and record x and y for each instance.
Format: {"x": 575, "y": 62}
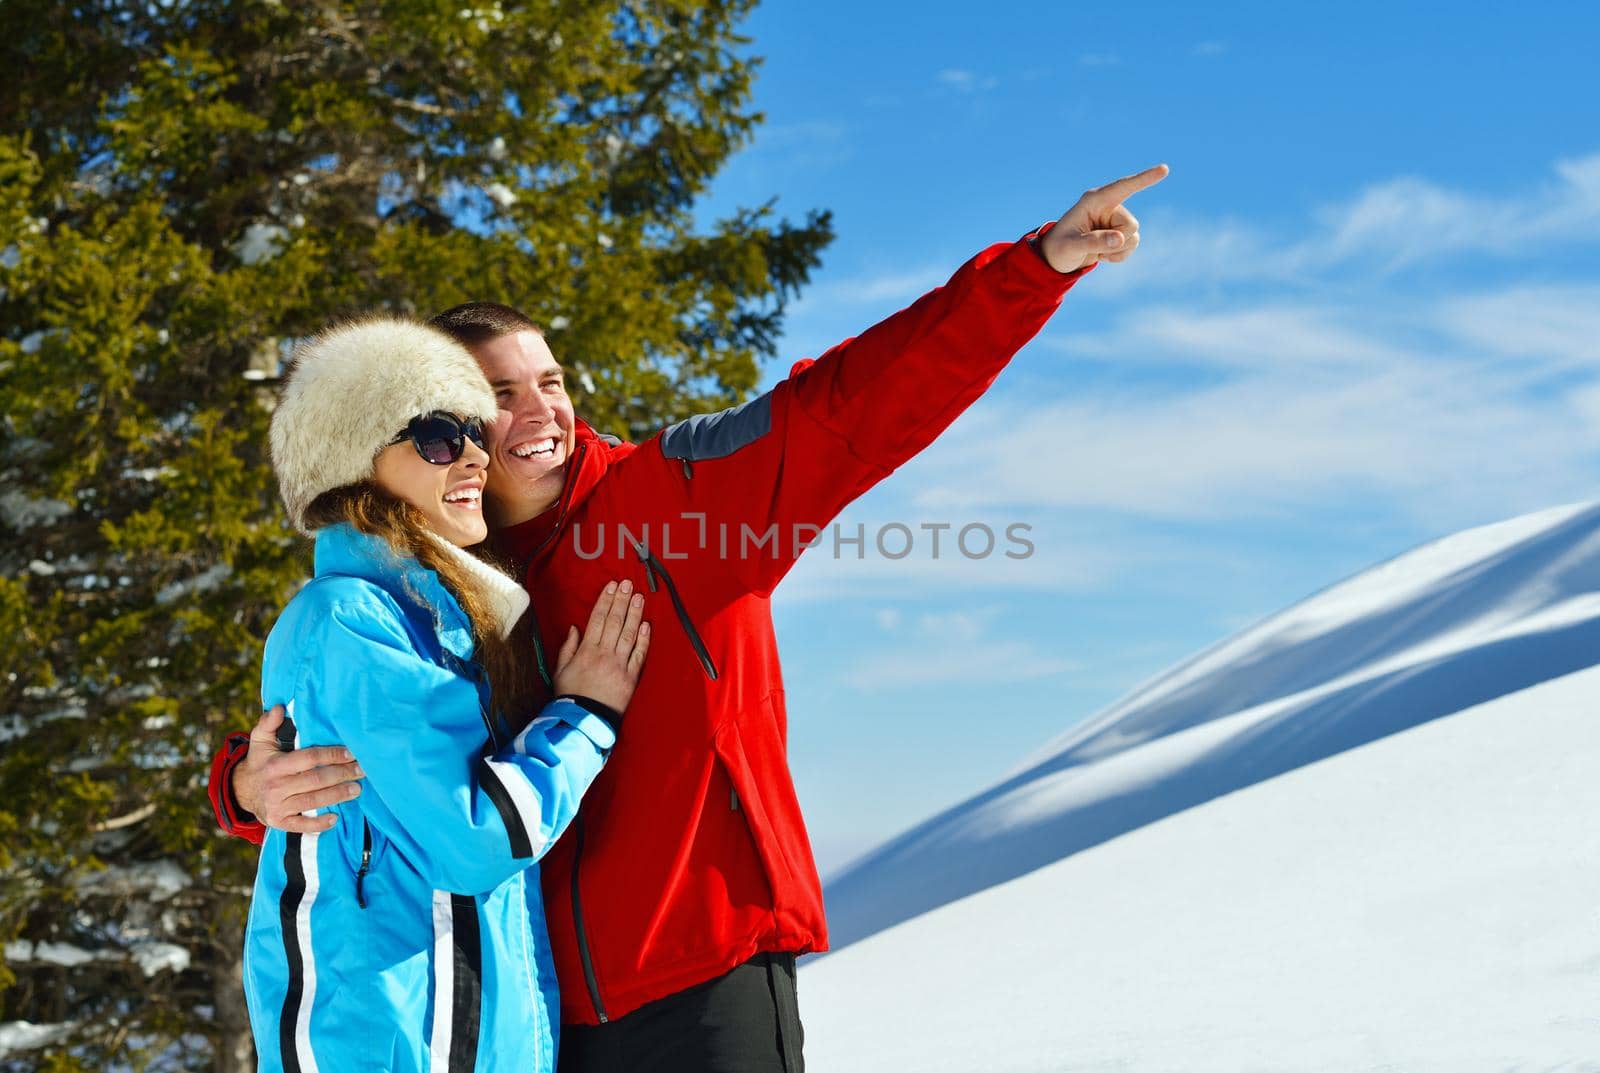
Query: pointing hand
{"x": 1098, "y": 227}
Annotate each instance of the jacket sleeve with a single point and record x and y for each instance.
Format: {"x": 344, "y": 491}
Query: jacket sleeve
{"x": 785, "y": 464}
{"x": 466, "y": 820}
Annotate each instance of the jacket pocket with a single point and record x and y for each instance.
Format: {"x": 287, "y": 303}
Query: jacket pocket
{"x": 747, "y": 800}
{"x": 365, "y": 847}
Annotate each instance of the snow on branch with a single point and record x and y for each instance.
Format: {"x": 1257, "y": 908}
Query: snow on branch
{"x": 150, "y": 957}
{"x": 202, "y": 582}
{"x": 159, "y": 880}
{"x": 25, "y": 1036}
{"x": 21, "y": 511}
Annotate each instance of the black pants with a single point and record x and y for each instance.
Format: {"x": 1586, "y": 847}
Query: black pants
{"x": 746, "y": 1021}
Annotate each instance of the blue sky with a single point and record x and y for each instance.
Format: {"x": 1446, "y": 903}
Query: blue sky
{"x": 1365, "y": 313}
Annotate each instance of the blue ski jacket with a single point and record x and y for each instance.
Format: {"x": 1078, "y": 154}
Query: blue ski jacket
{"x": 410, "y": 936}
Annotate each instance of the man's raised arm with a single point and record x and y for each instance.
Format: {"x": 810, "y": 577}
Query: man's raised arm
{"x": 787, "y": 462}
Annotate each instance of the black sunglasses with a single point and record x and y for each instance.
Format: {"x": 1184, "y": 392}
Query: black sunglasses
{"x": 440, "y": 437}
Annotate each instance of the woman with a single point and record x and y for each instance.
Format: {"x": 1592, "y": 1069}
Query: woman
{"x": 410, "y": 935}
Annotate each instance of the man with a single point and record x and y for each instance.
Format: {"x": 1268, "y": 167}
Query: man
{"x": 683, "y": 892}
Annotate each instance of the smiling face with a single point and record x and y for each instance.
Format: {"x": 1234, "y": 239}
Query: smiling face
{"x": 531, "y": 439}
{"x": 450, "y": 496}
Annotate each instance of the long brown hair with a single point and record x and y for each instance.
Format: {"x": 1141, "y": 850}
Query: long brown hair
{"x": 376, "y": 512}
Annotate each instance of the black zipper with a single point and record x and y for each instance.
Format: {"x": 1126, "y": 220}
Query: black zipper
{"x": 471, "y": 668}
{"x": 366, "y": 863}
{"x": 653, "y": 570}
{"x": 577, "y": 923}
{"x": 538, "y": 649}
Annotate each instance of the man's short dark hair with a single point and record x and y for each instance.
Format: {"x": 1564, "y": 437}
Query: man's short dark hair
{"x": 472, "y": 323}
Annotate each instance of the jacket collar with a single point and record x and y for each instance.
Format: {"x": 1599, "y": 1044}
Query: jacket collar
{"x": 344, "y": 550}
{"x": 592, "y": 456}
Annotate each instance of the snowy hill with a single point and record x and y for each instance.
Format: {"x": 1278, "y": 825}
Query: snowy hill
{"x": 1455, "y": 623}
{"x": 1429, "y": 901}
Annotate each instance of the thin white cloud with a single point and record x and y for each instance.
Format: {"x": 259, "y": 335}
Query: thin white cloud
{"x": 948, "y": 645}
{"x": 1385, "y": 228}
{"x": 955, "y": 661}
{"x": 956, "y": 625}
{"x": 964, "y": 81}
{"x": 1310, "y": 406}
{"x": 1058, "y": 561}
{"x": 805, "y": 133}
{"x": 1264, "y": 337}
{"x": 1555, "y": 324}
{"x": 892, "y": 288}
{"x": 1406, "y": 220}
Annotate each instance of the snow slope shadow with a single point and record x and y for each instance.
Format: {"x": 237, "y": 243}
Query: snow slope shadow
{"x": 1448, "y": 626}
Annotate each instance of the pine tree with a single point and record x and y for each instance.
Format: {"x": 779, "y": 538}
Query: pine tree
{"x": 185, "y": 189}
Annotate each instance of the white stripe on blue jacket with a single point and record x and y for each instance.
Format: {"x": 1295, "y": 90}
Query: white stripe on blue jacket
{"x": 410, "y": 936}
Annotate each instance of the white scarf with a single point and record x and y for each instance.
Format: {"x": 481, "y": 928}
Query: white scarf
{"x": 507, "y": 599}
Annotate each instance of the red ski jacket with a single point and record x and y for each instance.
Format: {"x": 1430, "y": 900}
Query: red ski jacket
{"x": 690, "y": 855}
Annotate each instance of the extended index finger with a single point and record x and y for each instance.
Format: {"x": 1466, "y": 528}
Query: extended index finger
{"x": 1122, "y": 189}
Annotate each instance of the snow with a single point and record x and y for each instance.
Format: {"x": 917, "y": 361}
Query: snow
{"x": 1426, "y": 903}
{"x": 204, "y": 581}
{"x": 64, "y": 954}
{"x": 260, "y": 242}
{"x": 24, "y": 1036}
{"x": 1352, "y": 837}
{"x": 24, "y": 512}
{"x": 153, "y": 958}
{"x": 14, "y": 725}
{"x": 1452, "y": 624}
{"x": 156, "y": 880}
{"x": 501, "y": 194}
{"x": 150, "y": 957}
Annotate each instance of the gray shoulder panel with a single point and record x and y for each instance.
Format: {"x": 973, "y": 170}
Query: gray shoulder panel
{"x": 718, "y": 435}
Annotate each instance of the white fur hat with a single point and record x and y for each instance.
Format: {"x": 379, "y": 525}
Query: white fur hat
{"x": 352, "y": 390}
